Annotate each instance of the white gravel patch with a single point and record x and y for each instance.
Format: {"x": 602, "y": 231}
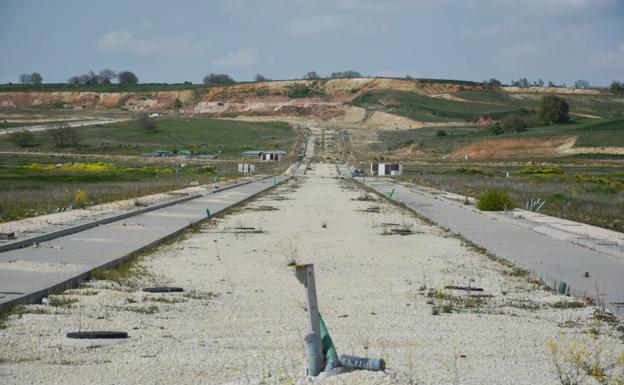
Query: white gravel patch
{"x": 243, "y": 316}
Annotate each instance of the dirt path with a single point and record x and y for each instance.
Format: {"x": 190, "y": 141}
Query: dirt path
{"x": 243, "y": 316}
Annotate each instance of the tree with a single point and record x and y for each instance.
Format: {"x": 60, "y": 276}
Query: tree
{"x": 22, "y": 138}
{"x": 74, "y": 80}
{"x": 581, "y": 84}
{"x": 106, "y": 76}
{"x": 147, "y": 123}
{"x": 617, "y": 87}
{"x": 177, "y": 104}
{"x": 551, "y": 84}
{"x": 64, "y": 135}
{"x": 261, "y": 78}
{"x": 36, "y": 78}
{"x": 493, "y": 83}
{"x": 553, "y": 109}
{"x": 127, "y": 77}
{"x": 25, "y": 78}
{"x": 346, "y": 74}
{"x": 213, "y": 78}
{"x": 312, "y": 75}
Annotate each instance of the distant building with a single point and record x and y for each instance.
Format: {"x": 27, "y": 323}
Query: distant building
{"x": 265, "y": 155}
{"x": 386, "y": 169}
{"x": 273, "y": 155}
{"x": 251, "y": 154}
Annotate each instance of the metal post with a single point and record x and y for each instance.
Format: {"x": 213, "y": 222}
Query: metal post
{"x": 391, "y": 193}
{"x": 305, "y": 275}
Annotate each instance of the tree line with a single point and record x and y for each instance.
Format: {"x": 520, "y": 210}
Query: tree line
{"x": 105, "y": 76}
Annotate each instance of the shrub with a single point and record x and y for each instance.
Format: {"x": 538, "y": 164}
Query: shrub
{"x": 64, "y": 135}
{"x": 80, "y": 198}
{"x": 514, "y": 123}
{"x": 147, "y": 123}
{"x": 495, "y": 200}
{"x": 541, "y": 171}
{"x": 553, "y": 109}
{"x": 495, "y": 129}
{"x": 441, "y": 133}
{"x": 22, "y": 138}
{"x": 177, "y": 104}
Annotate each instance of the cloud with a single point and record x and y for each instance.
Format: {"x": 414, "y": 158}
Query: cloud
{"x": 122, "y": 41}
{"x": 244, "y": 57}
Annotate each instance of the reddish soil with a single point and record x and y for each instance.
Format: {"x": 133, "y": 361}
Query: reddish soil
{"x": 515, "y": 147}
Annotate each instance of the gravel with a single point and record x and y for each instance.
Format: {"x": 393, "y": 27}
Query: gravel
{"x": 242, "y": 316}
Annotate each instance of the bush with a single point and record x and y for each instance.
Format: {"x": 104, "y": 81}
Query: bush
{"x": 514, "y": 123}
{"x": 147, "y": 123}
{"x": 553, "y": 109}
{"x": 495, "y": 200}
{"x": 22, "y": 138}
{"x": 64, "y": 135}
{"x": 541, "y": 171}
{"x": 441, "y": 133}
{"x": 80, "y": 198}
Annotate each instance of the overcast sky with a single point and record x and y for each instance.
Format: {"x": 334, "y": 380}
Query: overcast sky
{"x": 176, "y": 41}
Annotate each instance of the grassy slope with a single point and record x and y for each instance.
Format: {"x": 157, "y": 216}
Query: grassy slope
{"x": 200, "y": 135}
{"x": 590, "y": 132}
{"x": 420, "y": 107}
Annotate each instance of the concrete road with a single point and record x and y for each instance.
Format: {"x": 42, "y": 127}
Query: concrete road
{"x": 29, "y": 273}
{"x": 553, "y": 258}
{"x": 43, "y": 127}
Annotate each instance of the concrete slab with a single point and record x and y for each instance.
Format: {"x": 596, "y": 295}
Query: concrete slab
{"x": 548, "y": 251}
{"x": 73, "y": 256}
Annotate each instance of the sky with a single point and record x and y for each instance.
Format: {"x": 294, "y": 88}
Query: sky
{"x": 177, "y": 41}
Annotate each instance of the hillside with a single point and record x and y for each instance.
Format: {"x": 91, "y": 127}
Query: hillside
{"x": 420, "y": 107}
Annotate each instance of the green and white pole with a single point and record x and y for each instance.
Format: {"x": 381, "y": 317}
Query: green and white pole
{"x": 391, "y": 194}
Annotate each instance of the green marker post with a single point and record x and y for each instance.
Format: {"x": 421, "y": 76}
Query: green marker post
{"x": 391, "y": 194}
{"x": 208, "y": 214}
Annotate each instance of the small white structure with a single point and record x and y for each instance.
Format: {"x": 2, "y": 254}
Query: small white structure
{"x": 386, "y": 169}
{"x": 246, "y": 168}
{"x": 273, "y": 155}
{"x": 154, "y": 114}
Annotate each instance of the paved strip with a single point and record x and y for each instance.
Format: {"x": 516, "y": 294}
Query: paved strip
{"x": 43, "y": 127}
{"x": 61, "y": 229}
{"x": 554, "y": 260}
{"x": 28, "y": 274}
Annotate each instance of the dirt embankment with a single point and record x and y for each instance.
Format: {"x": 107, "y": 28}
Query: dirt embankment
{"x": 324, "y": 100}
{"x": 516, "y": 147}
{"x": 94, "y": 100}
{"x": 552, "y": 90}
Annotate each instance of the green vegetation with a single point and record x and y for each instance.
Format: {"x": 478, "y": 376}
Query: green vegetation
{"x": 22, "y": 138}
{"x": 553, "y": 109}
{"x": 514, "y": 124}
{"x": 302, "y": 90}
{"x": 227, "y": 138}
{"x": 495, "y": 200}
{"x": 420, "y": 107}
{"x": 591, "y": 194}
